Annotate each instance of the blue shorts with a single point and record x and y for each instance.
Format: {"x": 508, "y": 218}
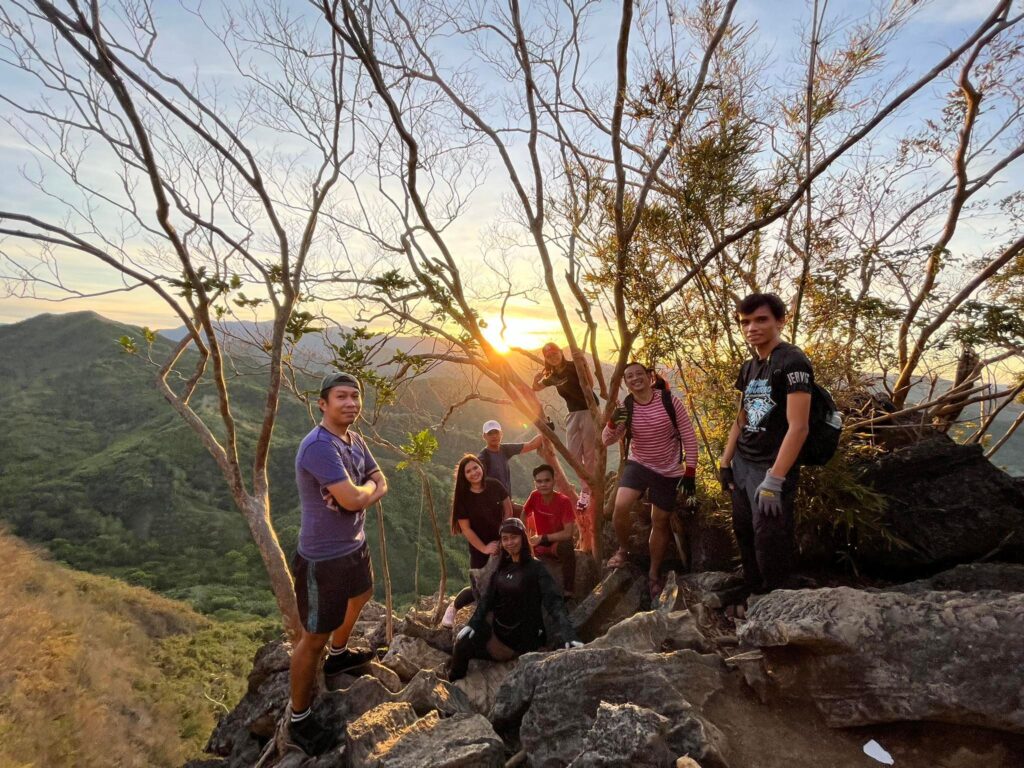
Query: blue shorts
{"x": 661, "y": 490}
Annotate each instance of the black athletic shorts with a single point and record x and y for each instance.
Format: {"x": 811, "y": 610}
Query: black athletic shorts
{"x": 324, "y": 587}
{"x": 661, "y": 490}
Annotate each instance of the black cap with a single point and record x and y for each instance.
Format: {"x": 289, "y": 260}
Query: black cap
{"x": 512, "y": 525}
{"x": 340, "y": 379}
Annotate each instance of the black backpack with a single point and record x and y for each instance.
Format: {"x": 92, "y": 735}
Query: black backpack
{"x": 666, "y": 401}
{"x": 824, "y": 425}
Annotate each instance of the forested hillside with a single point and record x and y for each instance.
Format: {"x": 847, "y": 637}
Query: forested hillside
{"x": 99, "y": 469}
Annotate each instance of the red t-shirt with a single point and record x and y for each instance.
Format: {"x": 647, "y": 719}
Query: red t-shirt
{"x": 549, "y": 519}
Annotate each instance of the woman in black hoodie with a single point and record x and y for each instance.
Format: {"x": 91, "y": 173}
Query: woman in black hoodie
{"x": 509, "y": 620}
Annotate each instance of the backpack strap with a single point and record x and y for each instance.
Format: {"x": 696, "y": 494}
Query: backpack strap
{"x": 629, "y": 403}
{"x": 666, "y": 402}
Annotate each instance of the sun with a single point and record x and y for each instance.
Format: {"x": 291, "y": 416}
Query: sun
{"x": 518, "y": 333}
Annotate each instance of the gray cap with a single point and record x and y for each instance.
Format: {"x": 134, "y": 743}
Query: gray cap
{"x": 512, "y": 525}
{"x": 340, "y": 379}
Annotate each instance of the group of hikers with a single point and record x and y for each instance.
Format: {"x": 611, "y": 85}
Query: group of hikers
{"x": 338, "y": 479}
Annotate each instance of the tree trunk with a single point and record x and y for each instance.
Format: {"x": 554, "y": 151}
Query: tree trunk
{"x": 428, "y": 494}
{"x": 257, "y": 515}
{"x": 386, "y": 572}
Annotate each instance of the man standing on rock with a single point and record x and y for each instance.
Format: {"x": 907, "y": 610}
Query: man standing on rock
{"x": 495, "y": 457}
{"x": 759, "y": 464}
{"x": 661, "y": 459}
{"x": 338, "y": 479}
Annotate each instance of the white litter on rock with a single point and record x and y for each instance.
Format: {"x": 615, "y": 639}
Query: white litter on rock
{"x": 875, "y": 751}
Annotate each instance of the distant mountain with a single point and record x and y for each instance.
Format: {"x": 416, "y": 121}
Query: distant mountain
{"x": 96, "y": 466}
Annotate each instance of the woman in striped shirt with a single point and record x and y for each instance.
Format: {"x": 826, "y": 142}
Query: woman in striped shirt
{"x": 655, "y": 463}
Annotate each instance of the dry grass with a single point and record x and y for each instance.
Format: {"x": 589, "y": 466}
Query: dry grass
{"x": 80, "y": 684}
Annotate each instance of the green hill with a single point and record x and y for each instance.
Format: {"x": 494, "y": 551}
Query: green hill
{"x": 99, "y": 673}
{"x": 96, "y": 466}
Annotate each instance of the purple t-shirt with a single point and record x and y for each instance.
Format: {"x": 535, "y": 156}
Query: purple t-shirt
{"x": 327, "y": 529}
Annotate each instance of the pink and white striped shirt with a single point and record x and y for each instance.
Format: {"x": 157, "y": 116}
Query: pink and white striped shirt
{"x": 654, "y": 443}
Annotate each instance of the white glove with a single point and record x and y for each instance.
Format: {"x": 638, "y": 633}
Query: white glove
{"x": 466, "y": 632}
{"x": 574, "y": 644}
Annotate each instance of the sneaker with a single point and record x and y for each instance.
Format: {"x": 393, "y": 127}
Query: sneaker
{"x": 449, "y": 615}
{"x": 347, "y": 662}
{"x": 307, "y": 735}
{"x": 583, "y": 501}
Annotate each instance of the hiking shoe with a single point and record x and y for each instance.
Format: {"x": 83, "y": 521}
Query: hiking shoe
{"x": 307, "y": 735}
{"x": 347, "y": 661}
{"x": 449, "y": 615}
{"x": 583, "y": 501}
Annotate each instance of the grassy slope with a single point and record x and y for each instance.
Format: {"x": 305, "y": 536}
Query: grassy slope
{"x": 94, "y": 672}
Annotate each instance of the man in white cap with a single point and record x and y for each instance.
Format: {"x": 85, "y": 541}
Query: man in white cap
{"x": 496, "y": 454}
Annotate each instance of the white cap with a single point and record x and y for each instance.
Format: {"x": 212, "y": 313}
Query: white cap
{"x": 491, "y": 425}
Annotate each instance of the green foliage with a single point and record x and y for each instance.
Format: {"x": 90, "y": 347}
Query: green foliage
{"x": 419, "y": 448}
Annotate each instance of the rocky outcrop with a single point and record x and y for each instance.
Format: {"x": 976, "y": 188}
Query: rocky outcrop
{"x": 949, "y": 503}
{"x": 549, "y": 703}
{"x": 482, "y": 682}
{"x": 971, "y": 577}
{"x": 620, "y": 594}
{"x": 875, "y": 657}
{"x": 461, "y": 741}
{"x": 408, "y": 655}
{"x": 654, "y": 632}
{"x": 625, "y": 734}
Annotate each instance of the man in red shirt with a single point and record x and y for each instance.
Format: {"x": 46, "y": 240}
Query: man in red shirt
{"x": 550, "y": 515}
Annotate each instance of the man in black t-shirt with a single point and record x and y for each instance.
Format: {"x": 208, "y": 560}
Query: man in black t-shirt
{"x": 759, "y": 463}
{"x": 580, "y": 431}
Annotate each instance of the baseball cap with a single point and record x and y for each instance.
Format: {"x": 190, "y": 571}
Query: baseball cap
{"x": 491, "y": 425}
{"x": 512, "y": 525}
{"x": 340, "y": 379}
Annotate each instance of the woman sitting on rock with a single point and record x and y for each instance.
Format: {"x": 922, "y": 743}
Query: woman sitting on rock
{"x": 508, "y": 620}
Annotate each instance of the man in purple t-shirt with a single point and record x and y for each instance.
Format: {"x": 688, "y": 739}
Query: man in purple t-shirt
{"x": 338, "y": 479}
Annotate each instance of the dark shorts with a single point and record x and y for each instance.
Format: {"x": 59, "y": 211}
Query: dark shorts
{"x": 661, "y": 490}
{"x": 324, "y": 587}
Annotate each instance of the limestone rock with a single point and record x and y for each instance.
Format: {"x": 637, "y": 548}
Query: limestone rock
{"x": 625, "y": 734}
{"x": 971, "y": 577}
{"x": 620, "y": 594}
{"x": 386, "y": 676}
{"x": 713, "y": 589}
{"x": 654, "y": 632}
{"x": 482, "y": 682}
{"x": 455, "y": 742}
{"x": 949, "y": 502}
{"x": 439, "y": 638}
{"x": 376, "y": 727}
{"x": 548, "y": 703}
{"x": 873, "y": 657}
{"x": 408, "y": 655}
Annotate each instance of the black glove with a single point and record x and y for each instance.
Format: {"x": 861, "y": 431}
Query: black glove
{"x": 550, "y": 423}
{"x": 619, "y": 415}
{"x": 687, "y": 486}
{"x": 725, "y": 477}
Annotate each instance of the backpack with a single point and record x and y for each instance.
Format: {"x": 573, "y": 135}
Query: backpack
{"x": 824, "y": 425}
{"x": 666, "y": 401}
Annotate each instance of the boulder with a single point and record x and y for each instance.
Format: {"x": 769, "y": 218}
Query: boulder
{"x": 482, "y": 681}
{"x": 408, "y": 655}
{"x": 713, "y": 589}
{"x": 374, "y": 728}
{"x": 587, "y": 573}
{"x": 875, "y": 657}
{"x": 625, "y": 734}
{"x": 386, "y": 676}
{"x": 461, "y": 741}
{"x": 971, "y": 577}
{"x": 620, "y": 594}
{"x": 549, "y": 702}
{"x": 424, "y": 693}
{"x": 949, "y": 503}
{"x": 439, "y": 638}
{"x": 654, "y": 632}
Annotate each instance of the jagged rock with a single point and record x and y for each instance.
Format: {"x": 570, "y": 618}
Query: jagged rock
{"x": 625, "y": 734}
{"x": 436, "y": 637}
{"x": 949, "y": 502}
{"x": 482, "y": 682}
{"x": 872, "y": 657}
{"x": 686, "y": 762}
{"x": 255, "y": 716}
{"x": 386, "y": 676}
{"x": 455, "y": 742}
{"x": 375, "y": 728}
{"x": 714, "y": 589}
{"x": 408, "y": 655}
{"x": 654, "y": 632}
{"x": 425, "y": 692}
{"x": 620, "y": 594}
{"x": 587, "y": 573}
{"x": 972, "y": 577}
{"x": 549, "y": 701}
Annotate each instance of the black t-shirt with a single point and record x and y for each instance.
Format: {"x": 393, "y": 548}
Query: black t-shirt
{"x": 483, "y": 510}
{"x": 765, "y": 384}
{"x": 566, "y": 379}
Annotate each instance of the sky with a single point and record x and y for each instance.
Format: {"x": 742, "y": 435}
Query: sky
{"x": 530, "y": 321}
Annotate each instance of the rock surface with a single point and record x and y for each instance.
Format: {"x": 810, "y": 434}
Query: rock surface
{"x": 549, "y": 702}
{"x": 625, "y": 734}
{"x": 482, "y": 682}
{"x": 949, "y": 502}
{"x": 620, "y": 594}
{"x": 462, "y": 741}
{"x": 971, "y": 577}
{"x": 376, "y": 727}
{"x": 654, "y": 632}
{"x": 408, "y": 655}
{"x": 875, "y": 657}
